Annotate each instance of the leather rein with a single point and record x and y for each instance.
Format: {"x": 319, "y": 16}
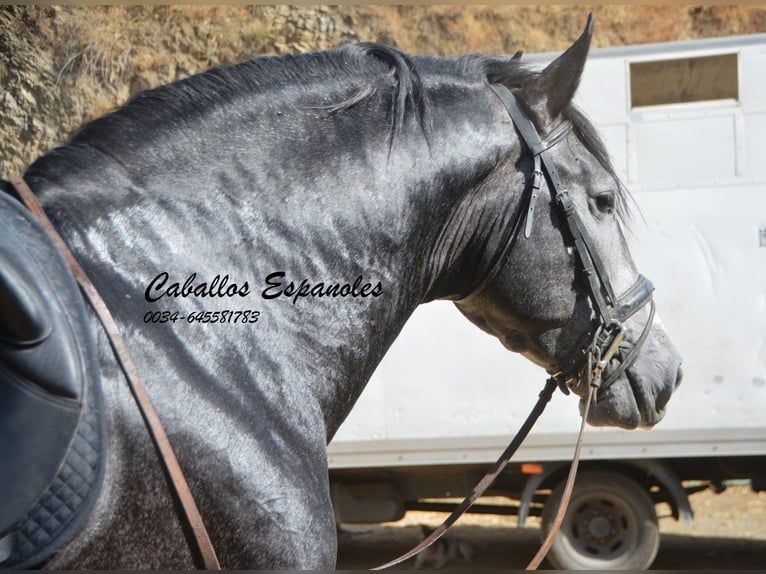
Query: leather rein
{"x": 194, "y": 527}
{"x": 604, "y": 345}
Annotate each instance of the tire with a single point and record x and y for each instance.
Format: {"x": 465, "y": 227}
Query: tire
{"x": 611, "y": 524}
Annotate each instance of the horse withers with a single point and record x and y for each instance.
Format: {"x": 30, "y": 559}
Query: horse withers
{"x": 261, "y": 233}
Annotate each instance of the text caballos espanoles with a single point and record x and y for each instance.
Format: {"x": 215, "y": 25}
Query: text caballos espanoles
{"x": 276, "y": 285}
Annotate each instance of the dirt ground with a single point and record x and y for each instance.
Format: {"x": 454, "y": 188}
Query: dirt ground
{"x": 728, "y": 533}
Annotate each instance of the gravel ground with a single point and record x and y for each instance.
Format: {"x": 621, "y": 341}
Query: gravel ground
{"x": 728, "y": 533}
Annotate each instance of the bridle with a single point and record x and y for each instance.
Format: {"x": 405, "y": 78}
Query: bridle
{"x": 602, "y": 344}
{"x": 582, "y": 370}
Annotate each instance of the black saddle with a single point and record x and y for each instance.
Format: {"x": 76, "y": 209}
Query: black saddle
{"x": 50, "y": 395}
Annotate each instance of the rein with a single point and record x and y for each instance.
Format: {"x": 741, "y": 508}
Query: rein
{"x": 197, "y": 535}
{"x": 490, "y": 476}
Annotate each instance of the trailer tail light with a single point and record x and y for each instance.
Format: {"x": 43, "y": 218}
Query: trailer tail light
{"x": 531, "y": 468}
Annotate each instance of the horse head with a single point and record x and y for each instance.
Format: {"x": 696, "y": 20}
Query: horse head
{"x": 562, "y": 288}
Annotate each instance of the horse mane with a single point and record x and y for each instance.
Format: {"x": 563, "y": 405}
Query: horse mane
{"x": 170, "y": 107}
{"x": 375, "y": 67}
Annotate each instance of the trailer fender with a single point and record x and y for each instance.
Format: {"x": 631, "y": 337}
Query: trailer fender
{"x": 670, "y": 481}
{"x": 531, "y": 486}
{"x": 663, "y": 473}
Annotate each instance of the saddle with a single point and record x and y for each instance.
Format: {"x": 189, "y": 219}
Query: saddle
{"x": 51, "y": 431}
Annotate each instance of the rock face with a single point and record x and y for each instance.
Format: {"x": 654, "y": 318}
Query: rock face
{"x": 26, "y": 68}
{"x": 63, "y": 65}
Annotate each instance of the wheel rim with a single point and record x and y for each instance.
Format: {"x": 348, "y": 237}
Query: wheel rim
{"x": 602, "y": 528}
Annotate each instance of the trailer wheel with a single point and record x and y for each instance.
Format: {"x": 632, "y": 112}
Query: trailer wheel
{"x": 611, "y": 524}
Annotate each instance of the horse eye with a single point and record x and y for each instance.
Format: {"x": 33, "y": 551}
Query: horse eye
{"x": 605, "y": 202}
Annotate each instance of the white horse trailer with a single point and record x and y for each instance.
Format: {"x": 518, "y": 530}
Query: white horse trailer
{"x": 685, "y": 125}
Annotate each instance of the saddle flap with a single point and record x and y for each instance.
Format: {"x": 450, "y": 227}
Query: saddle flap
{"x": 35, "y": 432}
{"x": 23, "y": 320}
{"x": 44, "y": 360}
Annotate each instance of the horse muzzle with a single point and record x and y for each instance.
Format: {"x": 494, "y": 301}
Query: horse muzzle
{"x": 639, "y": 395}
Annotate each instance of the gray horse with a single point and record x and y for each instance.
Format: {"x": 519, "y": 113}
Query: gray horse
{"x": 262, "y": 232}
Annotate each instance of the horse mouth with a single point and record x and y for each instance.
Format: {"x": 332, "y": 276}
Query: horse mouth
{"x": 632, "y": 401}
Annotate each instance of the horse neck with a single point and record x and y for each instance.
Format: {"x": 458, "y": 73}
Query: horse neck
{"x": 318, "y": 203}
{"x": 435, "y": 207}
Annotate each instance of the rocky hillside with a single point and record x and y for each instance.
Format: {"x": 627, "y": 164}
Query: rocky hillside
{"x": 61, "y": 66}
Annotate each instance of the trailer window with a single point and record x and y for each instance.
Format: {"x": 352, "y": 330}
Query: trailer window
{"x": 684, "y": 80}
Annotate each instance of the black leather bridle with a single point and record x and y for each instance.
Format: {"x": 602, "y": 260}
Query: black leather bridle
{"x": 602, "y": 342}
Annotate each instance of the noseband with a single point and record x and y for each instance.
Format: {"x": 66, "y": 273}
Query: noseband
{"x": 602, "y": 342}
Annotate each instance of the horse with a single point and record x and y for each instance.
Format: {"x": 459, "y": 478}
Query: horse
{"x": 261, "y": 232}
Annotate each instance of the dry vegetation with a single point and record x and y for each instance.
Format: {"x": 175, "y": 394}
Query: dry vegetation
{"x": 63, "y": 65}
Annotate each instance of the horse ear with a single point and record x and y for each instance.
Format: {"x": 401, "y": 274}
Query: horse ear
{"x": 555, "y": 86}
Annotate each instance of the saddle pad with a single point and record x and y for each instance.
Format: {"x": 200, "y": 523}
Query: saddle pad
{"x": 51, "y": 427}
